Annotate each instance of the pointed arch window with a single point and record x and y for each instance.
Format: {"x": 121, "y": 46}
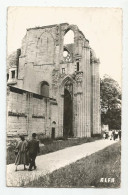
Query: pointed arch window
{"x": 69, "y": 37}
{"x": 68, "y": 46}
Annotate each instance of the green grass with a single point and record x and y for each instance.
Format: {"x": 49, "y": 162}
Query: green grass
{"x": 52, "y": 146}
{"x": 56, "y": 145}
{"x": 86, "y": 172}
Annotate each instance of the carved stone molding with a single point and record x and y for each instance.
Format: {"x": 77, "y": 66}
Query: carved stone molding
{"x": 69, "y": 86}
{"x": 62, "y": 75}
{"x": 38, "y": 116}
{"x": 77, "y": 57}
{"x": 86, "y": 44}
{"x": 79, "y": 76}
{"x": 95, "y": 60}
{"x": 57, "y": 35}
{"x": 10, "y": 113}
{"x": 55, "y": 76}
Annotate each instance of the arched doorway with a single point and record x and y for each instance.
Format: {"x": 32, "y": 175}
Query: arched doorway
{"x": 53, "y": 130}
{"x": 68, "y": 110}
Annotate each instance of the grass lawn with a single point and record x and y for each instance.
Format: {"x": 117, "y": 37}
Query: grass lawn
{"x": 52, "y": 146}
{"x": 87, "y": 172}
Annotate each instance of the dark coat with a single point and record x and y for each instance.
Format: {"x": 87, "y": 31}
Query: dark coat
{"x": 33, "y": 147}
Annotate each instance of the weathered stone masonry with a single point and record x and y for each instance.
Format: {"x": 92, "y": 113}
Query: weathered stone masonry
{"x": 53, "y": 94}
{"x": 29, "y": 113}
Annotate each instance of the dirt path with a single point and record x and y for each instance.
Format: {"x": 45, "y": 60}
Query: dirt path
{"x": 49, "y": 162}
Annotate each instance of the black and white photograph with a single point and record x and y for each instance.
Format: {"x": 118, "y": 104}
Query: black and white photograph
{"x": 63, "y": 97}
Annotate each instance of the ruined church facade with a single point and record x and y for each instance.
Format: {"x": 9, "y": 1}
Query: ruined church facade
{"x": 53, "y": 88}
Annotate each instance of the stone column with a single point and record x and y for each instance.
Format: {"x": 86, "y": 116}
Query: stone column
{"x": 75, "y": 114}
{"x": 79, "y": 96}
{"x": 60, "y": 116}
{"x": 86, "y": 90}
{"x": 57, "y": 51}
{"x": 96, "y": 129}
{"x": 47, "y": 119}
{"x": 84, "y": 94}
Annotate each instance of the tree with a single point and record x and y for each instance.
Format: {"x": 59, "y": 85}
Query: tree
{"x": 110, "y": 95}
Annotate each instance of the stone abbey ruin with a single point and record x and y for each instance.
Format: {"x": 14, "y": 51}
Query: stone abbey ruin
{"x": 53, "y": 88}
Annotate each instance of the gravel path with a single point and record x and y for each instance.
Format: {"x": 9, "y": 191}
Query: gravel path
{"x": 49, "y": 162}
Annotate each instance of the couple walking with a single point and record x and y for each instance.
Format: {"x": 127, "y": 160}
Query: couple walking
{"x": 27, "y": 152}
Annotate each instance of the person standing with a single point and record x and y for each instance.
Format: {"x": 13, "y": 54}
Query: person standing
{"x": 104, "y": 135}
{"x": 33, "y": 148}
{"x": 21, "y": 157}
{"x": 113, "y": 134}
{"x": 119, "y": 134}
{"x": 110, "y": 135}
{"x": 116, "y": 134}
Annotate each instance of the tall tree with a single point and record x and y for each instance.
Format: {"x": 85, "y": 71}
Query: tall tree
{"x": 110, "y": 95}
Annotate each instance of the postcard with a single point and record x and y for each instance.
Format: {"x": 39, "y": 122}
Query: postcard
{"x": 64, "y": 95}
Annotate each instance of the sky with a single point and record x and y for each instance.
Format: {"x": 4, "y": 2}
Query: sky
{"x": 101, "y": 26}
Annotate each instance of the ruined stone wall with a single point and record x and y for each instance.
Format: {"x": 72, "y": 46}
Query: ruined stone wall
{"x": 40, "y": 54}
{"x": 28, "y": 113}
{"x": 16, "y": 113}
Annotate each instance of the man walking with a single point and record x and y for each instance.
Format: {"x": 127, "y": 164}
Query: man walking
{"x": 33, "y": 148}
{"x": 119, "y": 134}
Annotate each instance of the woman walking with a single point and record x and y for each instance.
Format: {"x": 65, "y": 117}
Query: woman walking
{"x": 22, "y": 156}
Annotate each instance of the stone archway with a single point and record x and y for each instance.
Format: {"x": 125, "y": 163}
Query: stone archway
{"x": 68, "y": 110}
{"x": 53, "y": 130}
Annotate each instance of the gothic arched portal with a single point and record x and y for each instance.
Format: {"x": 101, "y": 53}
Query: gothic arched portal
{"x": 68, "y": 110}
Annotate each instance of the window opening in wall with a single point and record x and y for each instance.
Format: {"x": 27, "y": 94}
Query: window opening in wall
{"x": 45, "y": 89}
{"x": 53, "y": 133}
{"x": 68, "y": 46}
{"x": 63, "y": 70}
{"x": 13, "y": 74}
{"x": 67, "y": 56}
{"x": 7, "y": 77}
{"x": 77, "y": 63}
{"x": 65, "y": 53}
{"x": 69, "y": 37}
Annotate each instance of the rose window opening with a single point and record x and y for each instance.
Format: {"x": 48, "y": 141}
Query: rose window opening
{"x": 67, "y": 56}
